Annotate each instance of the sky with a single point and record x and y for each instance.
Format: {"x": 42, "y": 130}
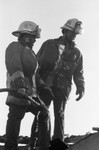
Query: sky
{"x": 50, "y": 15}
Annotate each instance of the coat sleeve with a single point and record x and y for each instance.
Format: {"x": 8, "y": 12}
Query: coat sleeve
{"x": 47, "y": 56}
{"x": 14, "y": 65}
{"x": 42, "y": 53}
{"x": 78, "y": 74}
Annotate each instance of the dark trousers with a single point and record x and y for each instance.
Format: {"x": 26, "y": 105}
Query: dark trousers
{"x": 16, "y": 114}
{"x": 59, "y": 103}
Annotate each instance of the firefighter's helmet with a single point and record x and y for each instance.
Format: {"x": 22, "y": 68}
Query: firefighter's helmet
{"x": 73, "y": 25}
{"x": 28, "y": 27}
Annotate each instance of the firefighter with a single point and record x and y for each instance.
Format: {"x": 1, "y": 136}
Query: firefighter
{"x": 61, "y": 63}
{"x": 22, "y": 67}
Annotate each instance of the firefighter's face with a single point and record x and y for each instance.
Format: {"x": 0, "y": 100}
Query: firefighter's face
{"x": 70, "y": 35}
{"x": 30, "y": 39}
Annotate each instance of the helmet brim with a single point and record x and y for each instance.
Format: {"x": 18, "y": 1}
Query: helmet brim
{"x": 66, "y": 27}
{"x": 18, "y": 33}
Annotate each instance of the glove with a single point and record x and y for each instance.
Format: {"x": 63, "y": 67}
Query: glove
{"x": 21, "y": 91}
{"x": 19, "y": 85}
{"x": 80, "y": 92}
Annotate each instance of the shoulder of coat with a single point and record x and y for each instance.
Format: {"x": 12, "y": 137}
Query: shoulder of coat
{"x": 51, "y": 41}
{"x": 14, "y": 46}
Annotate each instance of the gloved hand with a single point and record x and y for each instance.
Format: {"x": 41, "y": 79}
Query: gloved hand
{"x": 80, "y": 92}
{"x": 21, "y": 91}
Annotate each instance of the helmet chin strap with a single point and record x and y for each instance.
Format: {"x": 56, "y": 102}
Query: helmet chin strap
{"x": 29, "y": 45}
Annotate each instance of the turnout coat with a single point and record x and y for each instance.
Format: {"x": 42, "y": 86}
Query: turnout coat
{"x": 60, "y": 64}
{"x": 21, "y": 65}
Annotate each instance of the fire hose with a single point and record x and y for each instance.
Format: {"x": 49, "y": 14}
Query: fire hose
{"x": 40, "y": 103}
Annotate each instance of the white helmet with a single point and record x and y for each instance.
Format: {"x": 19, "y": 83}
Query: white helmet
{"x": 73, "y": 25}
{"x": 28, "y": 27}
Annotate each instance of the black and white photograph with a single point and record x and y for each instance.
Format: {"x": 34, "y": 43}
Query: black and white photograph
{"x": 49, "y": 76}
